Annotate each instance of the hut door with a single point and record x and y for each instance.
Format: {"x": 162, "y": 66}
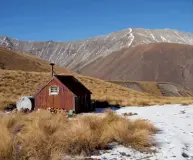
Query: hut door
{"x": 77, "y": 104}
{"x": 63, "y": 98}
{"x": 54, "y": 96}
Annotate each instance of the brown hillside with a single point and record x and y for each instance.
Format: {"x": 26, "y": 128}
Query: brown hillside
{"x": 161, "y": 62}
{"x": 156, "y": 88}
{"x": 12, "y": 60}
{"x": 14, "y": 84}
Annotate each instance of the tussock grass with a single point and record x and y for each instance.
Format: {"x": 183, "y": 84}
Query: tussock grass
{"x": 14, "y": 84}
{"x": 5, "y": 142}
{"x": 47, "y": 136}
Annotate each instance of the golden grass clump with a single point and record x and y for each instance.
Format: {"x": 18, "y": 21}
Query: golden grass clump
{"x": 6, "y": 145}
{"x": 45, "y": 136}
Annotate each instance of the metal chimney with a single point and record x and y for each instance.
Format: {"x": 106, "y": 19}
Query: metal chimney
{"x": 52, "y": 67}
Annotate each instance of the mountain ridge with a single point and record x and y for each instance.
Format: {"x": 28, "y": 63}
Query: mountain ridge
{"x": 95, "y": 36}
{"x": 77, "y": 53}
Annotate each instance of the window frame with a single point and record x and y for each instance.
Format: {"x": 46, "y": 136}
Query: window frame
{"x": 51, "y": 93}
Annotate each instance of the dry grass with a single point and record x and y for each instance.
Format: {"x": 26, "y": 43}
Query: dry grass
{"x": 154, "y": 88}
{"x": 14, "y": 84}
{"x": 142, "y": 86}
{"x": 12, "y": 60}
{"x": 6, "y": 142}
{"x": 115, "y": 94}
{"x": 46, "y": 136}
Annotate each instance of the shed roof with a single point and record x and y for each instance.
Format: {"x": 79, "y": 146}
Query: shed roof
{"x": 73, "y": 84}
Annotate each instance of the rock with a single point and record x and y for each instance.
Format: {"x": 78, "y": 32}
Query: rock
{"x": 124, "y": 154}
{"x": 185, "y": 155}
{"x": 96, "y": 153}
{"x": 10, "y": 107}
{"x": 183, "y": 112}
{"x": 129, "y": 114}
{"x": 91, "y": 158}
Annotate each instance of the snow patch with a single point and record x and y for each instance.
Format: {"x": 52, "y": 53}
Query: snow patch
{"x": 153, "y": 36}
{"x": 174, "y": 141}
{"x": 4, "y": 42}
{"x": 131, "y": 37}
{"x": 163, "y": 39}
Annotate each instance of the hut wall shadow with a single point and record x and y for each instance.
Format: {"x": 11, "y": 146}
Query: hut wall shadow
{"x": 100, "y": 106}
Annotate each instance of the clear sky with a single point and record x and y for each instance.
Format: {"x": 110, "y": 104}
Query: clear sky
{"x": 65, "y": 20}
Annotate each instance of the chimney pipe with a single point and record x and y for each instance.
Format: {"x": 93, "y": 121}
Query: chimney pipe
{"x": 52, "y": 67}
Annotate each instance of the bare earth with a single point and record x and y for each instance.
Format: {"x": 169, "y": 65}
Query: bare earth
{"x": 162, "y": 62}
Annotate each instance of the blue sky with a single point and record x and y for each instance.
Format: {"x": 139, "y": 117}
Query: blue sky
{"x": 65, "y": 20}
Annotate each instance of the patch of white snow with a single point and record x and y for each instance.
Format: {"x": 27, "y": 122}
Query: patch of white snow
{"x": 173, "y": 142}
{"x": 163, "y": 39}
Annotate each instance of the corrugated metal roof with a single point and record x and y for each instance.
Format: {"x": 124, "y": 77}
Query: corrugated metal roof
{"x": 73, "y": 84}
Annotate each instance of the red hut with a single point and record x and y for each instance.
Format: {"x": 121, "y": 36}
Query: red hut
{"x": 64, "y": 92}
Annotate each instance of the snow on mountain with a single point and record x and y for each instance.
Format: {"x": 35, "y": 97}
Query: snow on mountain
{"x": 174, "y": 142}
{"x": 77, "y": 53}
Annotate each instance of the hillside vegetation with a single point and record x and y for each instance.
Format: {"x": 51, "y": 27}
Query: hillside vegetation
{"x": 12, "y": 60}
{"x": 14, "y": 84}
{"x": 156, "y": 88}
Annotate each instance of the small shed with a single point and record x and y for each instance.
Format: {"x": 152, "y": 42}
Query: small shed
{"x": 64, "y": 92}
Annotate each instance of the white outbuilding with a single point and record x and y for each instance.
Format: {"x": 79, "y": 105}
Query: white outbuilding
{"x": 26, "y": 102}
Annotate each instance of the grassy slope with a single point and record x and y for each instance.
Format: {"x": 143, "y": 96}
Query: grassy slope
{"x": 14, "y": 84}
{"x": 12, "y": 60}
{"x": 155, "y": 88}
{"x": 149, "y": 87}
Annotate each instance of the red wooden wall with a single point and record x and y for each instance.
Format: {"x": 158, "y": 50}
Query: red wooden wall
{"x": 64, "y": 100}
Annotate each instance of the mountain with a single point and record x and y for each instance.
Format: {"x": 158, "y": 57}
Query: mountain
{"x": 76, "y": 54}
{"x": 162, "y": 62}
{"x": 12, "y": 60}
{"x": 22, "y": 75}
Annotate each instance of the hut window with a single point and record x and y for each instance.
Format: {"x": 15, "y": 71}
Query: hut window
{"x": 54, "y": 90}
